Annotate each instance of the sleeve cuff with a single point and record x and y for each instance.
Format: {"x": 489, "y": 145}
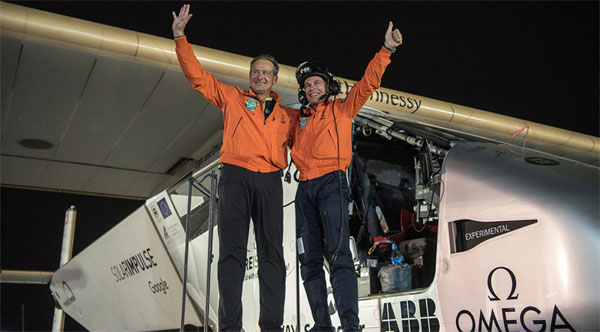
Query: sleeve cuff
{"x": 180, "y": 41}
{"x": 392, "y": 50}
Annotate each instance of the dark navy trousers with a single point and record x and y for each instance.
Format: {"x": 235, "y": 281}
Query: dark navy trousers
{"x": 244, "y": 194}
{"x": 322, "y": 231}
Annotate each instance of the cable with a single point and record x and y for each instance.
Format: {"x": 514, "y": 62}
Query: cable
{"x": 288, "y": 177}
{"x": 337, "y": 250}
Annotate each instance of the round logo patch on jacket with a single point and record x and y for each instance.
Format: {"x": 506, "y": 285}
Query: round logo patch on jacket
{"x": 303, "y": 121}
{"x": 251, "y": 104}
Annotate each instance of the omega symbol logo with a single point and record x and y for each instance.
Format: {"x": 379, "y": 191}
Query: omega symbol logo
{"x": 511, "y": 295}
{"x": 529, "y": 319}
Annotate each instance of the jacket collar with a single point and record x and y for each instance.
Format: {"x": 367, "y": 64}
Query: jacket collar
{"x": 251, "y": 93}
{"x": 322, "y": 105}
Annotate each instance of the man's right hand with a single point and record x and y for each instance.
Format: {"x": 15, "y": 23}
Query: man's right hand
{"x": 181, "y": 20}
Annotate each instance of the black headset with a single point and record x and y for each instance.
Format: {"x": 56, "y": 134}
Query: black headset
{"x": 312, "y": 68}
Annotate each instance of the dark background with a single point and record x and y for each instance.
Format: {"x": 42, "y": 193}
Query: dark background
{"x": 536, "y": 61}
{"x": 32, "y": 230}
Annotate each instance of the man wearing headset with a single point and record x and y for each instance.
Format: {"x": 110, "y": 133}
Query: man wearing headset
{"x": 253, "y": 154}
{"x": 322, "y": 152}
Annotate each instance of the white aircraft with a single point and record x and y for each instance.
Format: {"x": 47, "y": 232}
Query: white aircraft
{"x": 497, "y": 217}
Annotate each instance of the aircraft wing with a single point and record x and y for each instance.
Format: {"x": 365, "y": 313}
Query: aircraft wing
{"x": 88, "y": 108}
{"x": 97, "y": 109}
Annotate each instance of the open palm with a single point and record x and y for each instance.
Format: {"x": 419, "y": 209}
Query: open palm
{"x": 181, "y": 20}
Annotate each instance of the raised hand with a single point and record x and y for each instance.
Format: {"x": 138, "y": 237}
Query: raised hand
{"x": 393, "y": 38}
{"x": 181, "y": 20}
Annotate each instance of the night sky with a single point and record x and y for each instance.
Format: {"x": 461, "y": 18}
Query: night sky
{"x": 536, "y": 61}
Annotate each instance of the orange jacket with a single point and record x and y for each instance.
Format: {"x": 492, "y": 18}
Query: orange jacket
{"x": 315, "y": 149}
{"x": 249, "y": 141}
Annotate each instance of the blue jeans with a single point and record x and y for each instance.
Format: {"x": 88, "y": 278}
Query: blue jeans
{"x": 322, "y": 230}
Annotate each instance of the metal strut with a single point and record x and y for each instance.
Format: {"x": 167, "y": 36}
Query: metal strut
{"x": 384, "y": 128}
{"x": 211, "y": 217}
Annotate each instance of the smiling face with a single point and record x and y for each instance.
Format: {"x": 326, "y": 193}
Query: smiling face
{"x": 262, "y": 77}
{"x": 314, "y": 88}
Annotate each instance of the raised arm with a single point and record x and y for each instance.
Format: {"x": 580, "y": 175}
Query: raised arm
{"x": 212, "y": 89}
{"x": 371, "y": 80}
{"x": 181, "y": 20}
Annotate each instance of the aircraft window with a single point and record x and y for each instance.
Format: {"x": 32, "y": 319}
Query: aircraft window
{"x": 199, "y": 204}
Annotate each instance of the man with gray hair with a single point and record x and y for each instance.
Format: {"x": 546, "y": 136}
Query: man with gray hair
{"x": 253, "y": 154}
